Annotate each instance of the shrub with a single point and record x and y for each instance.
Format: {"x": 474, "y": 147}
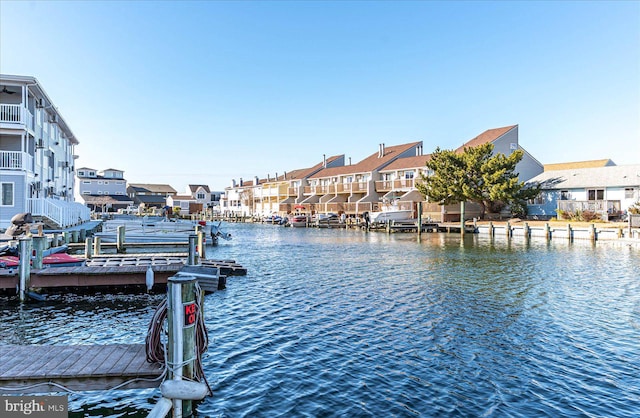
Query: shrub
{"x": 635, "y": 208}
{"x": 589, "y": 215}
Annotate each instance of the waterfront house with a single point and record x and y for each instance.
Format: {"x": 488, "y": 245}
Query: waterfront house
{"x": 196, "y": 199}
{"x": 37, "y": 157}
{"x": 239, "y": 199}
{"x": 102, "y": 191}
{"x": 605, "y": 190}
{"x": 150, "y": 195}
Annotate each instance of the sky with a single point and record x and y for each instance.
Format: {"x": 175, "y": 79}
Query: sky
{"x": 203, "y": 92}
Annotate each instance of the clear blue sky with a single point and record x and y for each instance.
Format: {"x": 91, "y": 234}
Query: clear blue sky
{"x": 209, "y": 91}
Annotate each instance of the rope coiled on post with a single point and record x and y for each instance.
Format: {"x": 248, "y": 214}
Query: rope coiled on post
{"x": 156, "y": 349}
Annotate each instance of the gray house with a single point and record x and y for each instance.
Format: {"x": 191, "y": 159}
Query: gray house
{"x": 608, "y": 191}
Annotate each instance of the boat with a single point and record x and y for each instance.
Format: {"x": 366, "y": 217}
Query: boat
{"x": 152, "y": 230}
{"x": 55, "y": 257}
{"x": 390, "y": 212}
{"x": 217, "y": 233}
{"x": 298, "y": 221}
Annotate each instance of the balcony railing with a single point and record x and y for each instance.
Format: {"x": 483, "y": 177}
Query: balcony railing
{"x": 11, "y": 113}
{"x": 16, "y": 160}
{"x": 605, "y": 208}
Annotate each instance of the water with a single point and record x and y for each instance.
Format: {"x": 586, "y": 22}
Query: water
{"x": 336, "y": 323}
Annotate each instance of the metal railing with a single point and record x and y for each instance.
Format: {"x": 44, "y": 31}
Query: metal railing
{"x": 605, "y": 208}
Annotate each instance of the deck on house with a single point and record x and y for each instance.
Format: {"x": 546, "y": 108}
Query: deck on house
{"x": 50, "y": 368}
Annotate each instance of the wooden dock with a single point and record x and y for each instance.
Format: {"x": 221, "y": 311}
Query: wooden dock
{"x": 39, "y": 368}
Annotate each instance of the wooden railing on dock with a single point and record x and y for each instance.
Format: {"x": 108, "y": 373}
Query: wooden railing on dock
{"x": 47, "y": 368}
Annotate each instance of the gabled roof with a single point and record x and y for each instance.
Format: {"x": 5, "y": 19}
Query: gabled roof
{"x": 112, "y": 169}
{"x": 181, "y": 197}
{"x": 369, "y": 164}
{"x": 579, "y": 164}
{"x": 194, "y": 187}
{"x": 417, "y": 161}
{"x": 306, "y": 172}
{"x": 104, "y": 199}
{"x": 486, "y": 137}
{"x": 612, "y": 176}
{"x": 152, "y": 188}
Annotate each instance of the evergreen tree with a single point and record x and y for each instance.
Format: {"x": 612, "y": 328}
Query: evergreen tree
{"x": 475, "y": 175}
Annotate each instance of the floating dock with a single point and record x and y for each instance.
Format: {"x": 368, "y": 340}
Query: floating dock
{"x": 50, "y": 368}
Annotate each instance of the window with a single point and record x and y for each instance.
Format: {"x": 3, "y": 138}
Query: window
{"x": 565, "y": 195}
{"x": 200, "y": 196}
{"x": 408, "y": 175}
{"x": 538, "y": 200}
{"x": 106, "y": 182}
{"x": 86, "y": 181}
{"x": 629, "y": 193}
{"x": 81, "y": 173}
{"x": 595, "y": 194}
{"x": 6, "y": 194}
{"x": 86, "y": 192}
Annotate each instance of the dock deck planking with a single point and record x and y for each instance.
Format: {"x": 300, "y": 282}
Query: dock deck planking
{"x": 79, "y": 367}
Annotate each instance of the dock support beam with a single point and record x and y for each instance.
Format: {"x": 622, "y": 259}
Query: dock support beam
{"x": 88, "y": 248}
{"x": 97, "y": 245}
{"x": 462, "y": 231}
{"x": 419, "y": 218}
{"x": 24, "y": 272}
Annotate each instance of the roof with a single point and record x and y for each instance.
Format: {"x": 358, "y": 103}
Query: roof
{"x": 182, "y": 197}
{"x": 417, "y": 161}
{"x": 486, "y": 137}
{"x": 369, "y": 164}
{"x": 195, "y": 187}
{"x": 611, "y": 176}
{"x": 105, "y": 199}
{"x": 579, "y": 164}
{"x": 152, "y": 188}
{"x": 150, "y": 199}
{"x": 306, "y": 172}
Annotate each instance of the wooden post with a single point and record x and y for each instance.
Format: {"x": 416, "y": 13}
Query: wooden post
{"x": 508, "y": 229}
{"x": 56, "y": 240}
{"x": 462, "y": 231}
{"x": 120, "y": 239}
{"x": 38, "y": 245}
{"x": 547, "y": 231}
{"x": 199, "y": 241}
{"x": 24, "y": 272}
{"x": 74, "y": 236}
{"x": 569, "y": 233}
{"x": 526, "y": 230}
{"x": 592, "y": 232}
{"x": 491, "y": 231}
{"x": 66, "y": 237}
{"x": 191, "y": 261}
{"x": 88, "y": 248}
{"x": 182, "y": 316}
{"x": 97, "y": 247}
{"x": 82, "y": 235}
{"x": 620, "y": 234}
{"x": 419, "y": 218}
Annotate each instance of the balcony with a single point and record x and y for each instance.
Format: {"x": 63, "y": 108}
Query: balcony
{"x": 16, "y": 114}
{"x": 16, "y": 160}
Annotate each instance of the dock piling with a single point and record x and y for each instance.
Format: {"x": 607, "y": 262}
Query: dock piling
{"x": 88, "y": 248}
{"x": 39, "y": 243}
{"x": 24, "y": 272}
{"x": 191, "y": 260}
{"x": 120, "y": 239}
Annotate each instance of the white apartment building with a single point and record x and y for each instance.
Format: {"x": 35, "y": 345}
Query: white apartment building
{"x": 102, "y": 191}
{"x": 37, "y": 156}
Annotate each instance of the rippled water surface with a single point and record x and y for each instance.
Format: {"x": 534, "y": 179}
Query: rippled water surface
{"x": 335, "y": 323}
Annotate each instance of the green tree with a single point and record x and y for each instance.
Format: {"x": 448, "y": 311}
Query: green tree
{"x": 475, "y": 175}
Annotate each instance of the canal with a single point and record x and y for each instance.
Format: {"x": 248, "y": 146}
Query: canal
{"x": 343, "y": 323}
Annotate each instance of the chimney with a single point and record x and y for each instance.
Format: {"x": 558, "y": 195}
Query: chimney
{"x": 257, "y": 180}
{"x": 324, "y": 160}
{"x": 349, "y": 160}
{"x": 240, "y": 181}
{"x": 382, "y": 150}
{"x": 233, "y": 183}
{"x": 285, "y": 175}
{"x": 276, "y": 177}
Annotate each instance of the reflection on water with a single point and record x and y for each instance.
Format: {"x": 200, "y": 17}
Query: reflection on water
{"x": 346, "y": 323}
